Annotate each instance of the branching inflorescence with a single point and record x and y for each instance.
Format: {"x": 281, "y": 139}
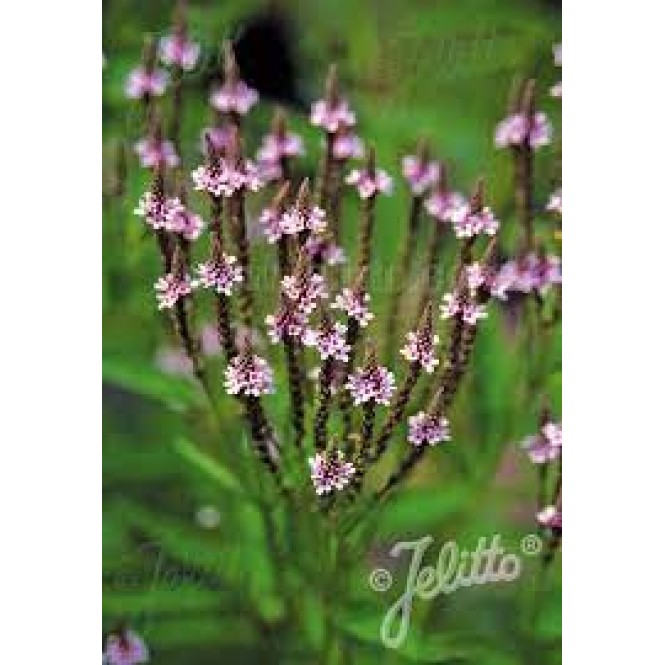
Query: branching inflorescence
{"x": 362, "y": 404}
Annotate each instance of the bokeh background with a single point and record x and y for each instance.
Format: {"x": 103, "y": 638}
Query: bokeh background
{"x": 185, "y": 562}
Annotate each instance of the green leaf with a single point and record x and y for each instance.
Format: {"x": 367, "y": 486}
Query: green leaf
{"x": 210, "y": 467}
{"x": 418, "y": 510}
{"x": 176, "y": 393}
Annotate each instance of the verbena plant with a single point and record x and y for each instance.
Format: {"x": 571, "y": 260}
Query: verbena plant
{"x": 352, "y": 386}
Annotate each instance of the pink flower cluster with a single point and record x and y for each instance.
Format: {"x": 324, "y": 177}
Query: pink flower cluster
{"x": 428, "y": 429}
{"x": 550, "y": 517}
{"x": 186, "y": 223}
{"x": 329, "y": 341}
{"x": 219, "y": 138}
{"x": 321, "y": 246}
{"x": 369, "y": 184}
{"x": 158, "y": 211}
{"x": 455, "y": 304}
{"x": 347, "y": 145}
{"x": 330, "y": 472}
{"x": 544, "y": 446}
{"x": 468, "y": 222}
{"x": 305, "y": 291}
{"x": 371, "y": 384}
{"x": 518, "y": 129}
{"x": 146, "y": 83}
{"x": 249, "y": 375}
{"x": 355, "y": 305}
{"x": 169, "y": 214}
{"x": 332, "y": 116}
{"x": 234, "y": 97}
{"x": 127, "y": 648}
{"x": 300, "y": 218}
{"x": 155, "y": 153}
{"x": 176, "y": 50}
{"x": 300, "y": 296}
{"x": 276, "y": 147}
{"x": 533, "y": 272}
{"x": 419, "y": 349}
{"x": 289, "y": 321}
{"x": 170, "y": 288}
{"x": 220, "y": 274}
{"x": 421, "y": 175}
{"x": 441, "y": 205}
{"x": 223, "y": 178}
{"x": 492, "y": 282}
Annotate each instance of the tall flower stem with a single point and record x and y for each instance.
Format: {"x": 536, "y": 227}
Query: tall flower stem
{"x": 237, "y": 224}
{"x": 181, "y": 316}
{"x": 292, "y": 350}
{"x": 433, "y": 252}
{"x": 396, "y": 413}
{"x": 366, "y": 226}
{"x": 523, "y": 172}
{"x": 345, "y": 402}
{"x": 323, "y": 410}
{"x": 400, "y": 278}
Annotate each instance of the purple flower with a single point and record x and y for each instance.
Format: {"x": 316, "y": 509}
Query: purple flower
{"x": 270, "y": 221}
{"x": 518, "y": 128}
{"x": 454, "y": 304}
{"x": 157, "y": 210}
{"x": 468, "y": 223}
{"x": 248, "y": 374}
{"x": 355, "y": 305}
{"x": 219, "y": 138}
{"x": 550, "y": 517}
{"x": 234, "y": 97}
{"x": 220, "y": 274}
{"x": 170, "y": 288}
{"x": 298, "y": 218}
{"x": 546, "y": 272}
{"x": 332, "y": 115}
{"x": 429, "y": 429}
{"x": 177, "y": 50}
{"x": 369, "y": 184}
{"x": 372, "y": 383}
{"x": 441, "y": 205}
{"x": 555, "y": 90}
{"x": 512, "y": 130}
{"x": 419, "y": 348}
{"x": 347, "y": 145}
{"x": 329, "y": 341}
{"x": 220, "y": 178}
{"x": 495, "y": 283}
{"x": 330, "y": 472}
{"x": 154, "y": 153}
{"x": 126, "y": 648}
{"x": 278, "y": 146}
{"x": 322, "y": 246}
{"x": 544, "y": 446}
{"x": 143, "y": 83}
{"x": 305, "y": 291}
{"x": 186, "y": 223}
{"x": 540, "y": 133}
{"x": 554, "y": 204}
{"x": 420, "y": 174}
{"x": 288, "y": 322}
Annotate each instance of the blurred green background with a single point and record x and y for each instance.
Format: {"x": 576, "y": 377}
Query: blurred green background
{"x": 188, "y": 558}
